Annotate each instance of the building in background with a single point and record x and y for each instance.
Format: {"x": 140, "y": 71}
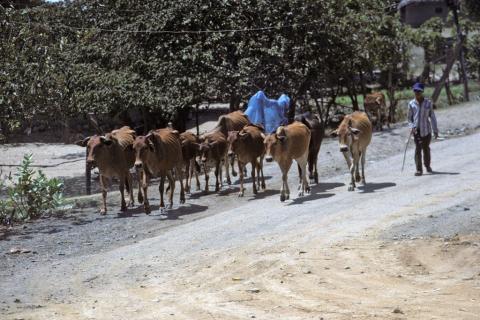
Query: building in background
{"x": 416, "y": 12}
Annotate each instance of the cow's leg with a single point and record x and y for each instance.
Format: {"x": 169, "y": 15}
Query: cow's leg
{"x": 232, "y": 163}
{"x": 254, "y": 167}
{"x": 227, "y": 161}
{"x": 182, "y": 189}
{"x": 161, "y": 189}
{"x": 363, "y": 166}
{"x": 205, "y": 169}
{"x": 171, "y": 184}
{"x": 139, "y": 180}
{"x": 357, "y": 168}
{"x": 379, "y": 120}
{"x": 217, "y": 172}
{"x": 299, "y": 176}
{"x": 144, "y": 186}
{"x": 194, "y": 169}
{"x": 240, "y": 171}
{"x": 285, "y": 191}
{"x": 129, "y": 184}
{"x": 353, "y": 168}
{"x": 188, "y": 178}
{"x": 304, "y": 187}
{"x": 260, "y": 164}
{"x": 103, "y": 186}
{"x": 121, "y": 184}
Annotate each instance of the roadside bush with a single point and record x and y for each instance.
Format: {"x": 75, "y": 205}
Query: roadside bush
{"x": 29, "y": 193}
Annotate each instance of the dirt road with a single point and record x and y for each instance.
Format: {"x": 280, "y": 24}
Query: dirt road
{"x": 399, "y": 248}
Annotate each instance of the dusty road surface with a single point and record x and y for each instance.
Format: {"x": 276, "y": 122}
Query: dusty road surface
{"x": 402, "y": 247}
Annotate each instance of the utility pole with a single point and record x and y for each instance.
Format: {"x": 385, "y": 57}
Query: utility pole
{"x": 453, "y": 5}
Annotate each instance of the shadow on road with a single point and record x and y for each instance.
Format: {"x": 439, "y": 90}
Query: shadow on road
{"x": 372, "y": 187}
{"x": 174, "y": 214}
{"x": 311, "y": 197}
{"x": 445, "y": 173}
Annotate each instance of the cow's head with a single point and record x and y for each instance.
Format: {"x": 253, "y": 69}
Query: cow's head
{"x": 142, "y": 146}
{"x": 346, "y": 134}
{"x": 275, "y": 144}
{"x": 95, "y": 146}
{"x": 204, "y": 149}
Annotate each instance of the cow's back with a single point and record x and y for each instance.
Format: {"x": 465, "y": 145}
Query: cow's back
{"x": 360, "y": 121}
{"x": 298, "y": 139}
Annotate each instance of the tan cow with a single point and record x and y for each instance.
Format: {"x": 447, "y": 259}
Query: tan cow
{"x": 376, "y": 109}
{"x": 157, "y": 154}
{"x": 189, "y": 152}
{"x": 355, "y": 134}
{"x": 247, "y": 145}
{"x": 114, "y": 156}
{"x": 234, "y": 121}
{"x": 289, "y": 143}
{"x": 212, "y": 151}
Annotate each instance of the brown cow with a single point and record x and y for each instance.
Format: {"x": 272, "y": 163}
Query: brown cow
{"x": 212, "y": 151}
{"x": 114, "y": 156}
{"x": 289, "y": 143}
{"x": 355, "y": 134}
{"x": 376, "y": 109}
{"x": 234, "y": 121}
{"x": 189, "y": 152}
{"x": 157, "y": 154}
{"x": 248, "y": 145}
{"x": 317, "y": 131}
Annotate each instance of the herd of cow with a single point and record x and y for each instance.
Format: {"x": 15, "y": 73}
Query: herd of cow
{"x": 166, "y": 153}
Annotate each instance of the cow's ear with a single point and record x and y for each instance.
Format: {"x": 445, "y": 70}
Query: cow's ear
{"x": 355, "y": 133}
{"x": 333, "y": 133}
{"x": 82, "y": 143}
{"x": 282, "y": 139}
{"x": 106, "y": 141}
{"x": 212, "y": 144}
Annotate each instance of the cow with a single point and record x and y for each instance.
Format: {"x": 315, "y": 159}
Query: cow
{"x": 233, "y": 121}
{"x": 376, "y": 109}
{"x": 247, "y": 145}
{"x": 158, "y": 154}
{"x": 113, "y": 155}
{"x": 355, "y": 134}
{"x": 212, "y": 151}
{"x": 189, "y": 152}
{"x": 317, "y": 131}
{"x": 289, "y": 143}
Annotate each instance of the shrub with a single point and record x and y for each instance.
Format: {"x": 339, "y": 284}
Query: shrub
{"x": 29, "y": 193}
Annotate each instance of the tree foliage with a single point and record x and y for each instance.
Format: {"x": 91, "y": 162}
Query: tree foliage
{"x": 108, "y": 57}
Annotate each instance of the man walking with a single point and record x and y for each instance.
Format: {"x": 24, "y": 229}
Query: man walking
{"x": 421, "y": 120}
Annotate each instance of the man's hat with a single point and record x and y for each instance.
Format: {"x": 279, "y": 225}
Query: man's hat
{"x": 418, "y": 87}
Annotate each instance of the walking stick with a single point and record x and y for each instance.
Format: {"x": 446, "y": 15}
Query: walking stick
{"x": 406, "y": 147}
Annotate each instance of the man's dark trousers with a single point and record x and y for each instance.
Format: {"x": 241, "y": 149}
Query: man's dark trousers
{"x": 422, "y": 144}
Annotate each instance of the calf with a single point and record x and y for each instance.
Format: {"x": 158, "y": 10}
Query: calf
{"x": 317, "y": 131}
{"x": 376, "y": 109}
{"x": 157, "y": 154}
{"x": 289, "y": 143}
{"x": 247, "y": 145}
{"x": 114, "y": 156}
{"x": 355, "y": 134}
{"x": 213, "y": 150}
{"x": 189, "y": 152}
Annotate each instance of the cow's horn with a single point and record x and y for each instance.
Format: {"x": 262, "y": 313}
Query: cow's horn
{"x": 242, "y": 134}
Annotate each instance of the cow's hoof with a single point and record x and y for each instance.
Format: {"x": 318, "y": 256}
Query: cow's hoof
{"x": 140, "y": 199}
{"x": 357, "y": 178}
{"x": 240, "y": 194}
{"x": 123, "y": 208}
{"x": 351, "y": 188}
{"x": 170, "y": 206}
{"x": 234, "y": 173}
{"x": 307, "y": 190}
{"x": 363, "y": 182}
{"x": 264, "y": 186}
{"x": 148, "y": 210}
{"x": 301, "y": 193}
{"x": 103, "y": 212}
{"x": 255, "y": 191}
{"x": 282, "y": 198}
{"x": 288, "y": 196}
{"x": 182, "y": 201}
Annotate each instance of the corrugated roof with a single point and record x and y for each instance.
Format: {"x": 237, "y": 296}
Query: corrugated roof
{"x": 404, "y": 3}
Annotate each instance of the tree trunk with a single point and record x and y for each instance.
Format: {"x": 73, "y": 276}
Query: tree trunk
{"x": 352, "y": 92}
{"x": 234, "y": 102}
